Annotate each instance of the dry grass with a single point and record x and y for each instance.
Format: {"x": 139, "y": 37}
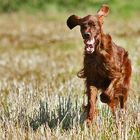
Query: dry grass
{"x": 40, "y": 95}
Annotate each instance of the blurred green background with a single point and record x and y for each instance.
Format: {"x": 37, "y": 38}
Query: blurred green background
{"x": 125, "y": 7}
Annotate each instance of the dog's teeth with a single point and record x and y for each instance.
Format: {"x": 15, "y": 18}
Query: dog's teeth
{"x": 90, "y": 50}
{"x": 91, "y": 41}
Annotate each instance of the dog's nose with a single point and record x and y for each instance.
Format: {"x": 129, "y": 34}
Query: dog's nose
{"x": 86, "y": 35}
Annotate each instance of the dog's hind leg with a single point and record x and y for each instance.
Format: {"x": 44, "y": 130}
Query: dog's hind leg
{"x": 122, "y": 100}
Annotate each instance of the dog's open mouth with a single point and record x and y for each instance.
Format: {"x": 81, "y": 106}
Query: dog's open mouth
{"x": 89, "y": 45}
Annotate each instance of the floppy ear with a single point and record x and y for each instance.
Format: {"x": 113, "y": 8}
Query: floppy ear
{"x": 103, "y": 11}
{"x": 73, "y": 21}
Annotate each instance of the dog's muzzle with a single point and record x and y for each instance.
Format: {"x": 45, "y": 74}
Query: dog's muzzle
{"x": 89, "y": 45}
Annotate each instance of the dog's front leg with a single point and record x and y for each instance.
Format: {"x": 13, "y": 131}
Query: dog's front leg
{"x": 91, "y": 107}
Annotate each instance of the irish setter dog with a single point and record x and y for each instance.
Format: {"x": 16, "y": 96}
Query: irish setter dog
{"x": 106, "y": 65}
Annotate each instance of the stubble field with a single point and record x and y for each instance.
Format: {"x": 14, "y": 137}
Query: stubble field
{"x": 40, "y": 94}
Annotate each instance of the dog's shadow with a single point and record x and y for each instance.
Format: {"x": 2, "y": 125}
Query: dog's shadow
{"x": 65, "y": 115}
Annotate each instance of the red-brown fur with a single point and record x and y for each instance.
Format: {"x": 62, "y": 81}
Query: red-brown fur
{"x": 107, "y": 69}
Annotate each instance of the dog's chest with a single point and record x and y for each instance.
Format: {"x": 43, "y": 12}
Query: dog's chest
{"x": 95, "y": 68}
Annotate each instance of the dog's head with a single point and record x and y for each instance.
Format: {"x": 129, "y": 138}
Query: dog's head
{"x": 90, "y": 27}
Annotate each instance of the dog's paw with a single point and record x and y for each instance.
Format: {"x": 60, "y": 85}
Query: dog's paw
{"x": 89, "y": 122}
{"x": 104, "y": 98}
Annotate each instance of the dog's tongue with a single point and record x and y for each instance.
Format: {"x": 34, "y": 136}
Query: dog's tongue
{"x": 89, "y": 45}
